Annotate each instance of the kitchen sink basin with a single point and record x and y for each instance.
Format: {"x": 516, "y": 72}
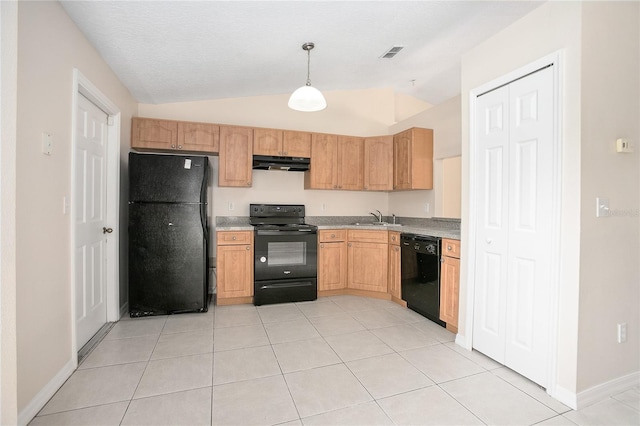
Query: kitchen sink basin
{"x": 375, "y": 224}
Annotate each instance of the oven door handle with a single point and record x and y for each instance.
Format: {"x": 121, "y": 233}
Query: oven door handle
{"x": 305, "y": 231}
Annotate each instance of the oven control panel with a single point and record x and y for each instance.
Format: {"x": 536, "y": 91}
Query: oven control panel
{"x": 276, "y": 210}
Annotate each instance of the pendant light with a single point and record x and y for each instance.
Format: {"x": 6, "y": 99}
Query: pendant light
{"x": 307, "y": 98}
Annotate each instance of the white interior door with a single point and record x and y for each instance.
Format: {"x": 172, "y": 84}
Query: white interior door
{"x": 515, "y": 217}
{"x": 90, "y": 225}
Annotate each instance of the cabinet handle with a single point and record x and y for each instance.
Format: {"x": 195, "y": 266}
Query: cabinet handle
{"x": 349, "y": 244}
{"x": 333, "y": 235}
{"x": 249, "y": 183}
{"x": 335, "y": 186}
{"x": 286, "y": 153}
{"x": 234, "y": 238}
{"x": 321, "y": 245}
{"x": 248, "y": 247}
{"x": 179, "y": 146}
{"x": 449, "y": 248}
{"x": 173, "y": 146}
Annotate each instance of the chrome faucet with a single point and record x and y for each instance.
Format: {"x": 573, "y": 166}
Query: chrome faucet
{"x": 377, "y": 216}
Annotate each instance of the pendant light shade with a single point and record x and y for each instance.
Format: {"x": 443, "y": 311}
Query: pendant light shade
{"x": 307, "y": 98}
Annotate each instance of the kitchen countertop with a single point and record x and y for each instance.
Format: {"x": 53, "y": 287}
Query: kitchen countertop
{"x": 436, "y": 227}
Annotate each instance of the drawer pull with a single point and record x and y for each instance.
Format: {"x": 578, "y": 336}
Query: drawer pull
{"x": 234, "y": 238}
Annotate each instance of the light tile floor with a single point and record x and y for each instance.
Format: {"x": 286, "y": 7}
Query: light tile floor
{"x": 341, "y": 360}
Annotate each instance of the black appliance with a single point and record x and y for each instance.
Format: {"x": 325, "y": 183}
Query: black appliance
{"x": 286, "y": 254}
{"x": 168, "y": 234}
{"x": 291, "y": 164}
{"x": 420, "y": 272}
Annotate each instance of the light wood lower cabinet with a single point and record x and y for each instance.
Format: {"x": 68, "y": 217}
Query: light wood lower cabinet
{"x": 450, "y": 282}
{"x": 394, "y": 265}
{"x": 368, "y": 257}
{"x": 234, "y": 269}
{"x": 332, "y": 260}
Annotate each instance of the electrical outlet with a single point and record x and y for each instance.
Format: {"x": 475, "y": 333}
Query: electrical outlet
{"x": 602, "y": 207}
{"x": 231, "y": 206}
{"x": 324, "y": 207}
{"x": 426, "y": 207}
{"x": 622, "y": 332}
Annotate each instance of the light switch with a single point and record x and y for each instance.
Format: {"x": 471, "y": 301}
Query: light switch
{"x": 47, "y": 143}
{"x": 602, "y": 207}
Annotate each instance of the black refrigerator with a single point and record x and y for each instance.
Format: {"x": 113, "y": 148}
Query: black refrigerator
{"x": 168, "y": 234}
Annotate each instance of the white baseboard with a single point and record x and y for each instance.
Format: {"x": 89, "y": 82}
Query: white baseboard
{"x": 45, "y": 394}
{"x": 124, "y": 309}
{"x": 462, "y": 341}
{"x": 604, "y": 390}
{"x": 565, "y": 396}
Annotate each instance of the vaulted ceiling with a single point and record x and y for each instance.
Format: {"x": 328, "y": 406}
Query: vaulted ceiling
{"x": 172, "y": 51}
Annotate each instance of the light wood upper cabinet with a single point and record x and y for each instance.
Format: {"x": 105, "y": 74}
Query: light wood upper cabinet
{"x": 450, "y": 282}
{"x": 198, "y": 137}
{"x": 281, "y": 143}
{"x": 350, "y": 163}
{"x": 149, "y": 133}
{"x": 323, "y": 173}
{"x": 169, "y": 135}
{"x": 236, "y": 156}
{"x": 296, "y": 144}
{"x": 378, "y": 164}
{"x": 337, "y": 162}
{"x": 234, "y": 269}
{"x": 413, "y": 159}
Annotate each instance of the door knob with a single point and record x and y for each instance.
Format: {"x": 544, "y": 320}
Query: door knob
{"x": 106, "y": 230}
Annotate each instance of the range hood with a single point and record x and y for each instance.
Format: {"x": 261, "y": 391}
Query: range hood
{"x": 291, "y": 164}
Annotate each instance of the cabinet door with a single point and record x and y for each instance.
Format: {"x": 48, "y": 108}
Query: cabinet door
{"x": 198, "y": 137}
{"x": 402, "y": 160}
{"x": 149, "y": 133}
{"x": 267, "y": 142}
{"x": 449, "y": 288}
{"x": 236, "y": 156}
{"x": 350, "y": 163}
{"x": 394, "y": 271}
{"x": 368, "y": 266}
{"x": 296, "y": 144}
{"x": 378, "y": 164}
{"x": 324, "y": 163}
{"x": 234, "y": 271}
{"x": 332, "y": 266}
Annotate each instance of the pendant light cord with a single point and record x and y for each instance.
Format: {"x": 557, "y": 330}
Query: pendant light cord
{"x": 308, "y": 67}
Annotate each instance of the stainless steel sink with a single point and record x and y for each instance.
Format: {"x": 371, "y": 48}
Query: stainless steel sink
{"x": 375, "y": 224}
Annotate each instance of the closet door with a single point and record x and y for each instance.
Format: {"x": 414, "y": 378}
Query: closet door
{"x": 515, "y": 210}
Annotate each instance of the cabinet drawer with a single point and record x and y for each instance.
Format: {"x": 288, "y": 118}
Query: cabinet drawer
{"x": 234, "y": 237}
{"x": 328, "y": 235}
{"x": 368, "y": 236}
{"x": 394, "y": 238}
{"x": 451, "y": 248}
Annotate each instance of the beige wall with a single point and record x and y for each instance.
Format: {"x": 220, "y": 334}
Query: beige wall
{"x": 49, "y": 47}
{"x": 444, "y": 119}
{"x": 609, "y": 270}
{"x": 8, "y": 75}
{"x": 598, "y": 257}
{"x": 551, "y": 27}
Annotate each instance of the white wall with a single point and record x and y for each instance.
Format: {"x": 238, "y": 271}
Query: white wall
{"x": 8, "y": 76}
{"x": 49, "y": 47}
{"x": 551, "y": 27}
{"x": 609, "y": 270}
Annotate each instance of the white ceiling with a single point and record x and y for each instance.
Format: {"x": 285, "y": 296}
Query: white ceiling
{"x": 172, "y": 51}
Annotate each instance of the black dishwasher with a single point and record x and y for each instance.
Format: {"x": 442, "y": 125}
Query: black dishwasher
{"x": 420, "y": 272}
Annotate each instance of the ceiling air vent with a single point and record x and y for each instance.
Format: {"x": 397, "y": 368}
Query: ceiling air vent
{"x": 392, "y": 52}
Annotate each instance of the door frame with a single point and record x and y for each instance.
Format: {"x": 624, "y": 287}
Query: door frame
{"x": 83, "y": 86}
{"x": 556, "y": 59}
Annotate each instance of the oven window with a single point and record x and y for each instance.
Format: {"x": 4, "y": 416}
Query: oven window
{"x": 288, "y": 253}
